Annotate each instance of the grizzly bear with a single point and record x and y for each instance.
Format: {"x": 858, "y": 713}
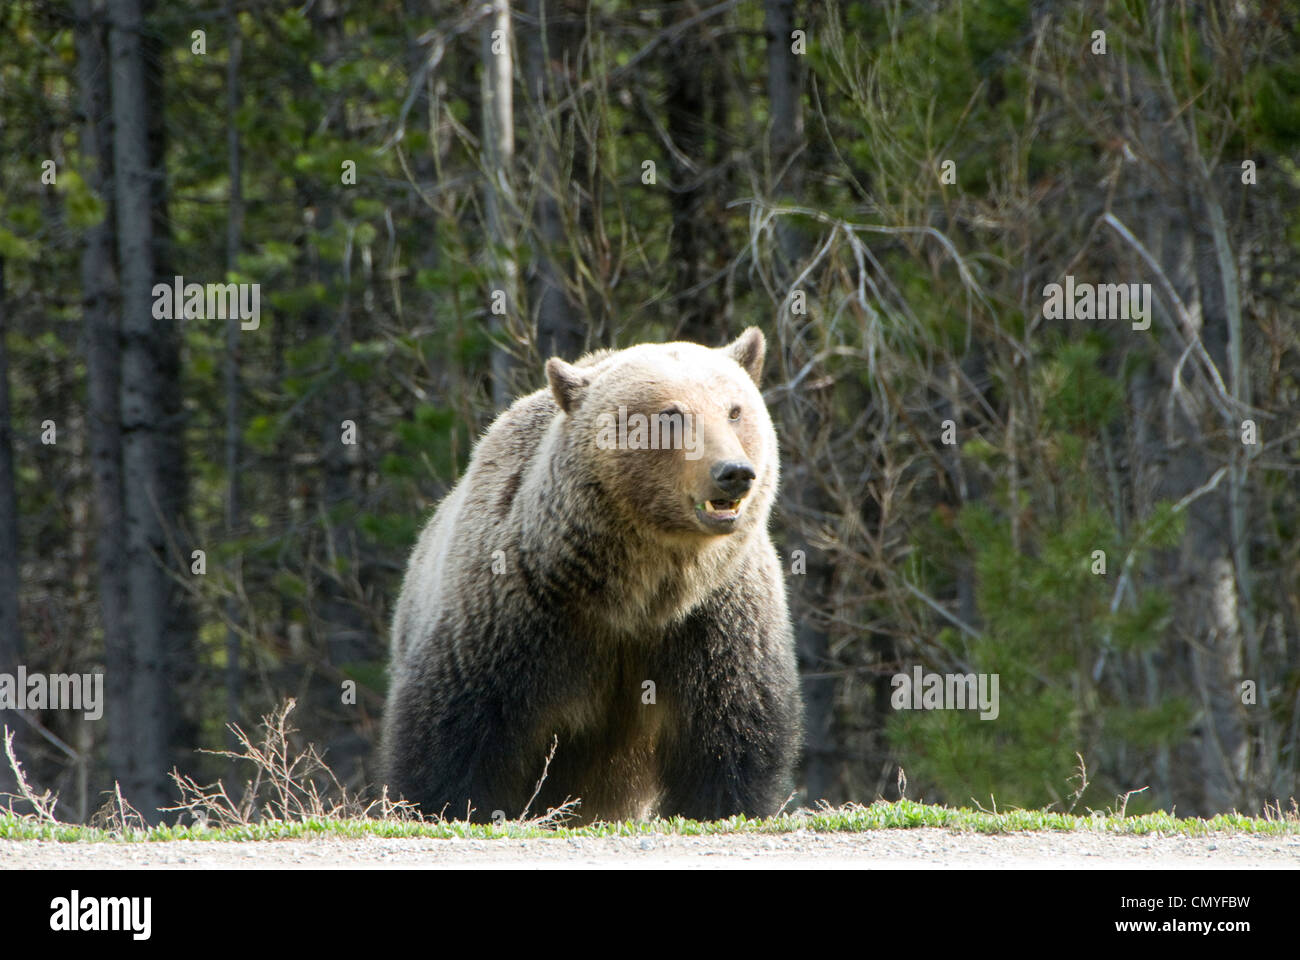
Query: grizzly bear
{"x": 603, "y": 595}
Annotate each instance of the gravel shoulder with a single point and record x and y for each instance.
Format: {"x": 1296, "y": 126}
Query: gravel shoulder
{"x": 923, "y": 848}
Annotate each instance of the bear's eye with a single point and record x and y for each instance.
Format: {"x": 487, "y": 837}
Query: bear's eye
{"x": 735, "y": 413}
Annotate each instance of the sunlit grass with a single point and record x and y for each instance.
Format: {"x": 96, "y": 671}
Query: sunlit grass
{"x": 904, "y": 814}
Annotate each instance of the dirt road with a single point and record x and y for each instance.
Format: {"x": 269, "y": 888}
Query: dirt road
{"x": 925, "y": 849}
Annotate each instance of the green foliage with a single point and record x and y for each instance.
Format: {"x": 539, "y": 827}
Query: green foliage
{"x": 1046, "y": 621}
{"x": 1076, "y": 395}
{"x": 390, "y": 530}
{"x": 426, "y": 444}
{"x": 85, "y": 207}
{"x": 1276, "y": 113}
{"x": 14, "y": 247}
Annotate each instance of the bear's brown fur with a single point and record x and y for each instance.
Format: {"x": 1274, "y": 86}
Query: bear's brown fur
{"x": 611, "y": 599}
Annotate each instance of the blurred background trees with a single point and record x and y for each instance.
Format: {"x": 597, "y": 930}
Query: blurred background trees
{"x": 886, "y": 189}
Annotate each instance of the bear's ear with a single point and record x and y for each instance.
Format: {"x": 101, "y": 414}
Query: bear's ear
{"x": 748, "y": 350}
{"x": 568, "y": 383}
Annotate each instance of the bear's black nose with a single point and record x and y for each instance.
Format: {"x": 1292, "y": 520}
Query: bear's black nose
{"x": 733, "y": 477}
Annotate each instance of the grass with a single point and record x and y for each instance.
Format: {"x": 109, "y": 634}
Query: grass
{"x": 293, "y": 795}
{"x": 882, "y": 815}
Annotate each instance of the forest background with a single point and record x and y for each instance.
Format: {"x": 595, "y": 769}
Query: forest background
{"x": 434, "y": 197}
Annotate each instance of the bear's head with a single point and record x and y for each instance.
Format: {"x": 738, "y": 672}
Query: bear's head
{"x": 676, "y": 433}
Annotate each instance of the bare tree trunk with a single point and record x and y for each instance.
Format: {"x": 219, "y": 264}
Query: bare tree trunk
{"x": 1218, "y": 277}
{"x": 697, "y": 302}
{"x": 786, "y": 134}
{"x": 1208, "y": 663}
{"x": 234, "y": 227}
{"x": 499, "y": 151}
{"x": 810, "y": 592}
{"x": 104, "y": 375}
{"x": 424, "y": 162}
{"x": 11, "y": 638}
{"x": 180, "y": 631}
{"x": 143, "y": 419}
{"x": 1218, "y": 652}
{"x": 342, "y": 629}
{"x": 560, "y": 331}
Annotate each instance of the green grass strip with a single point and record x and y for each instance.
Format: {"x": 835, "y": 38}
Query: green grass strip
{"x": 904, "y": 814}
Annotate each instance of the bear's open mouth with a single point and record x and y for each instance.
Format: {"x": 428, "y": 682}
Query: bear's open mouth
{"x": 719, "y": 511}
